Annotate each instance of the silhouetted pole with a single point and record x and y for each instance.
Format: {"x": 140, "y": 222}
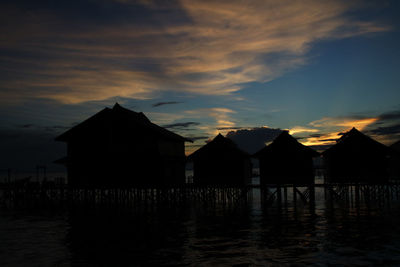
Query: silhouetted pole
{"x": 312, "y": 198}
{"x": 38, "y": 168}
{"x": 294, "y": 196}
{"x": 279, "y": 194}
{"x": 351, "y": 195}
{"x": 285, "y": 196}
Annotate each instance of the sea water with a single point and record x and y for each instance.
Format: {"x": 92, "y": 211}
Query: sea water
{"x": 245, "y": 234}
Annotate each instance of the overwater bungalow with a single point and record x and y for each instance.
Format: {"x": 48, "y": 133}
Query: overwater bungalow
{"x": 394, "y": 164}
{"x": 286, "y": 161}
{"x": 356, "y": 158}
{"x": 221, "y": 162}
{"x": 118, "y": 147}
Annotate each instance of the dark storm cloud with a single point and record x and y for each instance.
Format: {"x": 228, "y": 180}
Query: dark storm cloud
{"x": 254, "y": 139}
{"x": 166, "y": 103}
{"x": 181, "y": 125}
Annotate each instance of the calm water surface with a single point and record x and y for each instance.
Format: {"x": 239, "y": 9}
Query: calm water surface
{"x": 244, "y": 235}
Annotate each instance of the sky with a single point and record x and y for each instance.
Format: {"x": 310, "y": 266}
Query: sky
{"x": 246, "y": 69}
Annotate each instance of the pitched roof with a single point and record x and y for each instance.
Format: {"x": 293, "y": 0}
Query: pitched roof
{"x": 286, "y": 143}
{"x": 396, "y": 146}
{"x": 133, "y": 120}
{"x": 219, "y": 143}
{"x": 355, "y": 140}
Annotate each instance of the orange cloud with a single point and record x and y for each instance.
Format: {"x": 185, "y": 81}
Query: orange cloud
{"x": 221, "y": 116}
{"x": 359, "y": 124}
{"x": 325, "y": 139}
{"x": 300, "y": 129}
{"x": 331, "y": 127}
{"x": 343, "y": 123}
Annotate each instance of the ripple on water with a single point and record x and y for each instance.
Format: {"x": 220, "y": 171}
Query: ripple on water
{"x": 240, "y": 236}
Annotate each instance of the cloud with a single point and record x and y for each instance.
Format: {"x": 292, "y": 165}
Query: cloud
{"x": 221, "y": 117}
{"x": 323, "y": 139}
{"x": 384, "y": 127}
{"x": 387, "y": 127}
{"x": 82, "y": 51}
{"x": 164, "y": 118}
{"x": 181, "y": 124}
{"x": 252, "y": 140}
{"x": 344, "y": 122}
{"x": 392, "y": 115}
{"x": 231, "y": 128}
{"x": 388, "y": 130}
{"x": 165, "y": 103}
{"x": 300, "y": 129}
{"x": 327, "y": 130}
{"x": 196, "y": 138}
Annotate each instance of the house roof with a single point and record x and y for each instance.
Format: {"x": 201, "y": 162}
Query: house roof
{"x": 355, "y": 140}
{"x": 396, "y": 146}
{"x": 219, "y": 144}
{"x": 106, "y": 117}
{"x": 286, "y": 143}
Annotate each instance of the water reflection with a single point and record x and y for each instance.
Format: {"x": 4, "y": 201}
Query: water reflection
{"x": 248, "y": 234}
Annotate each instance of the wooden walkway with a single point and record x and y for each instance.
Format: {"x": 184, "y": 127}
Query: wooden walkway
{"x": 130, "y": 197}
{"x": 36, "y": 195}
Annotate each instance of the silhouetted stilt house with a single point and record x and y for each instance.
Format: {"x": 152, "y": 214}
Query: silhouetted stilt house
{"x": 221, "y": 162}
{"x": 286, "y": 161}
{"x": 121, "y": 148}
{"x": 394, "y": 168}
{"x": 356, "y": 158}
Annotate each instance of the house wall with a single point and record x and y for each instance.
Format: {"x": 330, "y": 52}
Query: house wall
{"x": 170, "y": 148}
{"x": 221, "y": 171}
{"x": 120, "y": 159}
{"x": 361, "y": 167}
{"x": 394, "y": 167}
{"x": 286, "y": 169}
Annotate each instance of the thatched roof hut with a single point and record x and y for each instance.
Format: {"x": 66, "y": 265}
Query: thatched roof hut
{"x": 394, "y": 163}
{"x": 120, "y": 148}
{"x": 395, "y": 146}
{"x": 221, "y": 162}
{"x": 286, "y": 161}
{"x": 356, "y": 158}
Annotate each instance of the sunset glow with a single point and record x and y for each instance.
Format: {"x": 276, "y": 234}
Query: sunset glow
{"x": 199, "y": 68}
